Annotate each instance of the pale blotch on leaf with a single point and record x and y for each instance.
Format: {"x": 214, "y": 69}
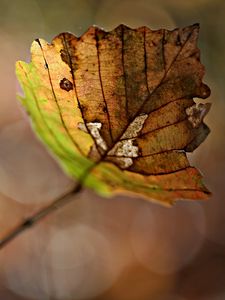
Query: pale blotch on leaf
{"x": 196, "y": 113}
{"x": 125, "y": 150}
{"x": 94, "y": 128}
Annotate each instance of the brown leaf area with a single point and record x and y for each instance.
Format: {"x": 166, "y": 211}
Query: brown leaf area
{"x": 135, "y": 90}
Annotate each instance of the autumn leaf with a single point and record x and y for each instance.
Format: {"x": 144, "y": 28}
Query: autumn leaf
{"x": 116, "y": 108}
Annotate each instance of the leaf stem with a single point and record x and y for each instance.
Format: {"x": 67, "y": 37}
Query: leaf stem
{"x": 39, "y": 215}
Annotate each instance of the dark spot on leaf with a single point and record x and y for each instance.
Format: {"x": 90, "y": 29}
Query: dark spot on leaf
{"x": 66, "y": 85}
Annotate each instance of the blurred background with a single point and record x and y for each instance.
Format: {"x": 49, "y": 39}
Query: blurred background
{"x": 121, "y": 248}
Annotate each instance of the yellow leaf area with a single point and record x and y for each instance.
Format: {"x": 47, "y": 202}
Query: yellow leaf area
{"x": 116, "y": 108}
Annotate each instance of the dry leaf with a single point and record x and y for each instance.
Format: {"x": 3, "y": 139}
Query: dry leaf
{"x": 119, "y": 107}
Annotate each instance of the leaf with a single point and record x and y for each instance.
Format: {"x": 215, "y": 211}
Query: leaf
{"x": 116, "y": 108}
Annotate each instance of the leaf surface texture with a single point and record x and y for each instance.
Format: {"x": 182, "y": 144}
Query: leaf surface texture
{"x": 116, "y": 108}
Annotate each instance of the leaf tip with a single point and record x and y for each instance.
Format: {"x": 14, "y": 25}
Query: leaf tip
{"x": 196, "y": 25}
{"x": 20, "y": 68}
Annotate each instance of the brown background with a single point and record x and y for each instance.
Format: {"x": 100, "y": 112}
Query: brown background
{"x": 120, "y": 248}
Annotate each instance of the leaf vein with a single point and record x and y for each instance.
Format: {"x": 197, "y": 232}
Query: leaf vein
{"x": 57, "y": 104}
{"x": 102, "y": 89}
{"x": 75, "y": 91}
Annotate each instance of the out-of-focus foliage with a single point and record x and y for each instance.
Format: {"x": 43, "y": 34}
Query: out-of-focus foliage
{"x": 123, "y": 249}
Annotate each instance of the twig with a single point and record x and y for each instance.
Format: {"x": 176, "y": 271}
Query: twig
{"x": 36, "y": 217}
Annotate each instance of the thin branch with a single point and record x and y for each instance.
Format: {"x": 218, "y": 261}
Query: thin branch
{"x": 39, "y": 215}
